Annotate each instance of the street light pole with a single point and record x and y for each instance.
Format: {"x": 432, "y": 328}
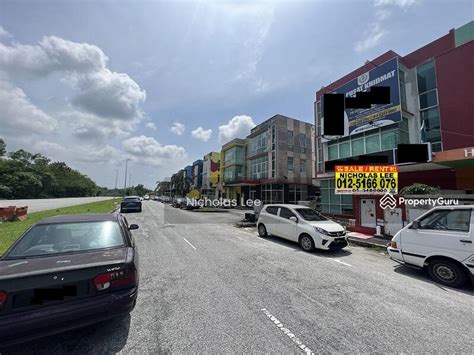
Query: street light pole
{"x": 116, "y": 178}
{"x": 125, "y": 183}
{"x": 130, "y": 180}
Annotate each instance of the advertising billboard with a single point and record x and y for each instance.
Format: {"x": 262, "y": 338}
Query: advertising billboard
{"x": 360, "y": 120}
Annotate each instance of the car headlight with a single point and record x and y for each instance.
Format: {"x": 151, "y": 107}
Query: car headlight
{"x": 320, "y": 230}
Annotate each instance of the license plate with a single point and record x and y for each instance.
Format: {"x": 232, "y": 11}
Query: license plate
{"x": 42, "y": 295}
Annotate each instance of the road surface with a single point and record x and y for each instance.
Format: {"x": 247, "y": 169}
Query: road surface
{"x": 35, "y": 205}
{"x": 208, "y": 287}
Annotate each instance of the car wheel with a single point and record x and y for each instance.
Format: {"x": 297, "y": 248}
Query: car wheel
{"x": 262, "y": 231}
{"x": 306, "y": 242}
{"x": 447, "y": 272}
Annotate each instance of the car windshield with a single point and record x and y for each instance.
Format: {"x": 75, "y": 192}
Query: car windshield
{"x": 310, "y": 215}
{"x": 45, "y": 239}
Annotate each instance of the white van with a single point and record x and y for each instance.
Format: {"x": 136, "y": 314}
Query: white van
{"x": 303, "y": 225}
{"x": 440, "y": 240}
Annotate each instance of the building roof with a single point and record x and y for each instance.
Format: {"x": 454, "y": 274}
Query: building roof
{"x": 71, "y": 218}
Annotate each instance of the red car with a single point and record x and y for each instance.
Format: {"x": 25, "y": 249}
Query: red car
{"x": 67, "y": 272}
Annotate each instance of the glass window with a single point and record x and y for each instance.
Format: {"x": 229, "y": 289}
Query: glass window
{"x": 68, "y": 237}
{"x": 358, "y": 146}
{"x": 259, "y": 168}
{"x": 289, "y": 163}
{"x": 431, "y": 118}
{"x": 333, "y": 152}
{"x": 373, "y": 143}
{"x": 286, "y": 213}
{"x": 433, "y": 135}
{"x": 455, "y": 220}
{"x": 290, "y": 137}
{"x": 272, "y": 210}
{"x": 389, "y": 140}
{"x": 428, "y": 99}
{"x": 302, "y": 166}
{"x": 309, "y": 214}
{"x": 436, "y": 147}
{"x": 426, "y": 77}
{"x": 273, "y": 164}
{"x": 345, "y": 149}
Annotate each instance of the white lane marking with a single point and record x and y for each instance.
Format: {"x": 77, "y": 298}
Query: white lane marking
{"x": 340, "y": 262}
{"x": 187, "y": 241}
{"x": 290, "y": 335}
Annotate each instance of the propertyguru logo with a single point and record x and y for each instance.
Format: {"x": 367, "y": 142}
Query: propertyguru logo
{"x": 388, "y": 201}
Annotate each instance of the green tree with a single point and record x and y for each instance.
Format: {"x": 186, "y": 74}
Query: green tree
{"x": 3, "y": 147}
{"x": 419, "y": 189}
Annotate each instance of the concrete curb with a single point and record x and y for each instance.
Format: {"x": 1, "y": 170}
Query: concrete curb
{"x": 366, "y": 244}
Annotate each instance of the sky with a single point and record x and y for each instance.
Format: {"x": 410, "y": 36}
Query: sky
{"x": 94, "y": 83}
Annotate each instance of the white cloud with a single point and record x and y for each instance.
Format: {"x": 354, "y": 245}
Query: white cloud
{"x": 202, "y": 134}
{"x": 101, "y": 92}
{"x": 151, "y": 125}
{"x": 237, "y": 127}
{"x": 93, "y": 128}
{"x": 404, "y": 4}
{"x": 376, "y": 32}
{"x": 373, "y": 38}
{"x": 4, "y": 33}
{"x": 18, "y": 116}
{"x": 177, "y": 128}
{"x": 110, "y": 95}
{"x": 151, "y": 151}
{"x": 51, "y": 54}
{"x": 94, "y": 154}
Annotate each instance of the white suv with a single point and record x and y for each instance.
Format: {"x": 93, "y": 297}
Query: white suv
{"x": 303, "y": 225}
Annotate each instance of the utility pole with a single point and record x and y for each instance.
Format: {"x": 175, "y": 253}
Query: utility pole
{"x": 116, "y": 178}
{"x": 125, "y": 183}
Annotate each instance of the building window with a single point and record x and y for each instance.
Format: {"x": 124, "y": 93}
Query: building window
{"x": 259, "y": 168}
{"x": 289, "y": 163}
{"x": 333, "y": 151}
{"x": 358, "y": 146}
{"x": 273, "y": 137}
{"x": 302, "y": 142}
{"x": 426, "y": 77}
{"x": 272, "y": 193}
{"x": 428, "y": 99}
{"x": 297, "y": 193}
{"x": 302, "y": 166}
{"x": 290, "y": 138}
{"x": 345, "y": 148}
{"x": 389, "y": 139}
{"x": 258, "y": 144}
{"x": 372, "y": 143}
{"x": 273, "y": 164}
{"x": 332, "y": 203}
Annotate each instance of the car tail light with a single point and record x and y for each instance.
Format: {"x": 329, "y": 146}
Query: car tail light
{"x": 393, "y": 245}
{"x": 116, "y": 279}
{"x": 3, "y": 299}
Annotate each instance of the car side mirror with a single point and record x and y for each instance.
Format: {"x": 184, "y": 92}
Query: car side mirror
{"x": 294, "y": 219}
{"x": 132, "y": 227}
{"x": 415, "y": 225}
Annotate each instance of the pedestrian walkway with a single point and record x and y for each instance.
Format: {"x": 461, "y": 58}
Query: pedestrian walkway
{"x": 367, "y": 240}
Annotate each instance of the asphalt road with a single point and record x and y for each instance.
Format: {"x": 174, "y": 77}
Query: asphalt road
{"x": 209, "y": 287}
{"x": 35, "y": 205}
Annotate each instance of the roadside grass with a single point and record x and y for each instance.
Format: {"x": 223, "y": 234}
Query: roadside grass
{"x": 10, "y": 231}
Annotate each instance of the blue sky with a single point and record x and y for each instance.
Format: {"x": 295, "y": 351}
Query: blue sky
{"x": 93, "y": 83}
